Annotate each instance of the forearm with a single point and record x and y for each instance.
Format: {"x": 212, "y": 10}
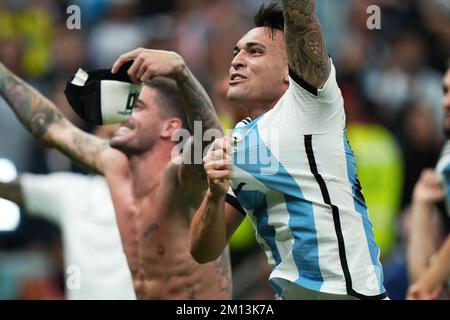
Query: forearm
{"x": 208, "y": 229}
{"x": 439, "y": 271}
{"x": 199, "y": 106}
{"x": 421, "y": 246}
{"x": 47, "y": 124}
{"x": 33, "y": 110}
{"x": 440, "y": 268}
{"x": 11, "y": 191}
{"x": 305, "y": 44}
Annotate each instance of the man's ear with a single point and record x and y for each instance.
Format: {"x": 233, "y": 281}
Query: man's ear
{"x": 286, "y": 76}
{"x": 170, "y": 126}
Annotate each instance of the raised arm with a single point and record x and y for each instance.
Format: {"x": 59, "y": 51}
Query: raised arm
{"x": 421, "y": 244}
{"x": 305, "y": 43}
{"x": 215, "y": 221}
{"x": 152, "y": 63}
{"x": 48, "y": 125}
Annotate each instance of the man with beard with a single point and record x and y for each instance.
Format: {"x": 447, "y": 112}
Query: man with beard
{"x": 154, "y": 196}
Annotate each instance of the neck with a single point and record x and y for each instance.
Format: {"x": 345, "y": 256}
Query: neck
{"x": 255, "y": 113}
{"x": 258, "y": 109}
{"x": 147, "y": 168}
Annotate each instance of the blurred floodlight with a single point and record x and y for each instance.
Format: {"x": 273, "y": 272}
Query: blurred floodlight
{"x": 8, "y": 171}
{"x": 9, "y": 215}
{"x": 9, "y": 211}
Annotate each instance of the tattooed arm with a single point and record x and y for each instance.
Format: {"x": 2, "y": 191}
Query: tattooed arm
{"x": 198, "y": 106}
{"x": 11, "y": 191}
{"x": 305, "y": 43}
{"x": 215, "y": 221}
{"x": 200, "y": 109}
{"x": 212, "y": 227}
{"x": 48, "y": 125}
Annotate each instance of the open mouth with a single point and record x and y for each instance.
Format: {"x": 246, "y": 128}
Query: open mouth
{"x": 125, "y": 127}
{"x": 236, "y": 78}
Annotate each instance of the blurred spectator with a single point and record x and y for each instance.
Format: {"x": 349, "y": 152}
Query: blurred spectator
{"x": 428, "y": 266}
{"x": 396, "y": 278}
{"x": 119, "y": 32}
{"x": 33, "y": 23}
{"x": 403, "y": 78}
{"x": 420, "y": 144}
{"x": 380, "y": 166}
{"x": 81, "y": 206}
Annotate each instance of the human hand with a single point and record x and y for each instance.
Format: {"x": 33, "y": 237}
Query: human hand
{"x": 150, "y": 63}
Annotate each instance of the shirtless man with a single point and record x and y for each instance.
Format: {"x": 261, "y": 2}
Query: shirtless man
{"x": 154, "y": 197}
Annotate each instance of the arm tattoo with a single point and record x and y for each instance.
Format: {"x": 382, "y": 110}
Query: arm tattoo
{"x": 199, "y": 107}
{"x": 206, "y": 215}
{"x": 305, "y": 43}
{"x": 34, "y": 111}
{"x": 38, "y": 114}
{"x": 84, "y": 149}
{"x": 11, "y": 191}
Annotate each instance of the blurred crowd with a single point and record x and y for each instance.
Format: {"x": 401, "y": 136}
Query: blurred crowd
{"x": 390, "y": 79}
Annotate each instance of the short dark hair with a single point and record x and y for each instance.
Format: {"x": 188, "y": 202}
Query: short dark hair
{"x": 170, "y": 100}
{"x": 270, "y": 16}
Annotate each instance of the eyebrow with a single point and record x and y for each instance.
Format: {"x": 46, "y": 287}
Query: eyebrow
{"x": 249, "y": 45}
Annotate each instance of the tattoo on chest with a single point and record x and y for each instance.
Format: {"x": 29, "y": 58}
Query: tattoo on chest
{"x": 150, "y": 229}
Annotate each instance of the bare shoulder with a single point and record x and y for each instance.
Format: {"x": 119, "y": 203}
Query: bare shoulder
{"x": 114, "y": 162}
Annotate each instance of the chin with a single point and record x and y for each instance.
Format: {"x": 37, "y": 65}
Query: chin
{"x": 236, "y": 97}
{"x": 117, "y": 143}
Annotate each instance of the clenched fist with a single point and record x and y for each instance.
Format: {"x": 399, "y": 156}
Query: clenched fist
{"x": 217, "y": 164}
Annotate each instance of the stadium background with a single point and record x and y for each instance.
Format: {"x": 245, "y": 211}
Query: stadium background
{"x": 390, "y": 79}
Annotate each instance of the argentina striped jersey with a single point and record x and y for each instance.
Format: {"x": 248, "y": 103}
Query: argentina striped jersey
{"x": 294, "y": 176}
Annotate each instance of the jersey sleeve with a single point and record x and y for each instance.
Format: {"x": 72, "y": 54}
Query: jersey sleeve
{"x": 316, "y": 111}
{"x": 329, "y": 93}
